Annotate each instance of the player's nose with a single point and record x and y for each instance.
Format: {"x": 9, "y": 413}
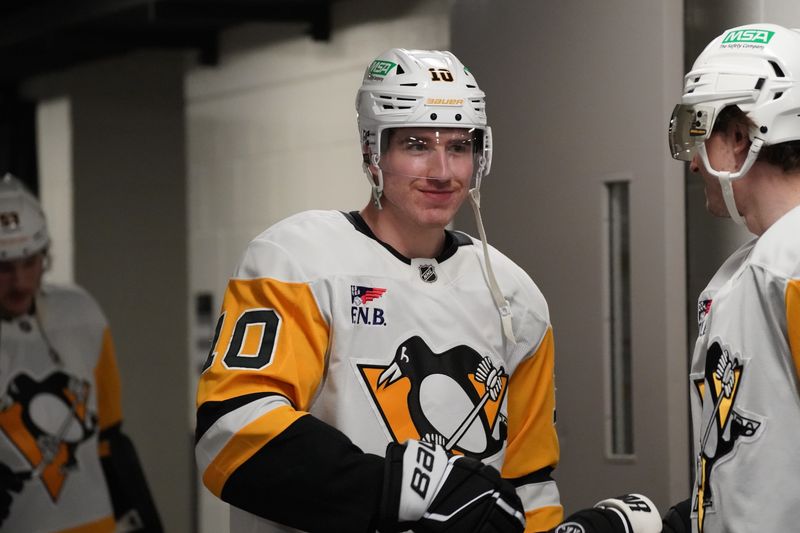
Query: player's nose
{"x": 439, "y": 166}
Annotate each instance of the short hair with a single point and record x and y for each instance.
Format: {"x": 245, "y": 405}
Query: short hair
{"x": 785, "y": 155}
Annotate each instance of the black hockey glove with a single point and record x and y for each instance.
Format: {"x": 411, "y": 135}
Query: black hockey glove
{"x": 9, "y": 482}
{"x": 428, "y": 491}
{"x": 631, "y": 513}
{"x": 677, "y": 519}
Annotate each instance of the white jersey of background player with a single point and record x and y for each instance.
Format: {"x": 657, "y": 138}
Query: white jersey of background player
{"x": 65, "y": 465}
{"x": 739, "y": 125}
{"x": 372, "y": 370}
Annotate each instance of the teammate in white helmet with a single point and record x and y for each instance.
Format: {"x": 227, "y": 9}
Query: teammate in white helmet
{"x": 373, "y": 370}
{"x": 64, "y": 463}
{"x": 738, "y": 124}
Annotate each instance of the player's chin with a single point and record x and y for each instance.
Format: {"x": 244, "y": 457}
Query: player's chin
{"x": 436, "y": 217}
{"x": 14, "y": 306}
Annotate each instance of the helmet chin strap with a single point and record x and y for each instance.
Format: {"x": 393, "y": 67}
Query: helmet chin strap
{"x": 375, "y": 181}
{"x": 726, "y": 177}
{"x": 500, "y": 302}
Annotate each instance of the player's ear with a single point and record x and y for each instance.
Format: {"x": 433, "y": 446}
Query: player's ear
{"x": 739, "y": 134}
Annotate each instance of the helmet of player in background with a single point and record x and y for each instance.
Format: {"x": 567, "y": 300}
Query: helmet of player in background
{"x": 23, "y": 229}
{"x": 755, "y": 67}
{"x": 419, "y": 88}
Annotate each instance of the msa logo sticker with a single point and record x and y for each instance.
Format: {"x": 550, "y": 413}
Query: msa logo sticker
{"x": 360, "y": 312}
{"x": 748, "y": 36}
{"x": 452, "y": 398}
{"x": 380, "y": 68}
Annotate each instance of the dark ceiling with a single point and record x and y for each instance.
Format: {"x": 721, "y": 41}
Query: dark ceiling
{"x": 37, "y": 36}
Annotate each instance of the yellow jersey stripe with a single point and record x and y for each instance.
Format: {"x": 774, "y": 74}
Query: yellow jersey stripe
{"x": 294, "y": 365}
{"x": 793, "y": 321}
{"x": 109, "y": 404}
{"x": 104, "y": 525}
{"x": 245, "y": 444}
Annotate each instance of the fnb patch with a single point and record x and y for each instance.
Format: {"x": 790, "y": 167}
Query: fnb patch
{"x": 363, "y": 295}
{"x": 360, "y": 296}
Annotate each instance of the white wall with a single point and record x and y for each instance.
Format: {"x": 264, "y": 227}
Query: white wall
{"x": 272, "y": 131}
{"x": 54, "y": 155}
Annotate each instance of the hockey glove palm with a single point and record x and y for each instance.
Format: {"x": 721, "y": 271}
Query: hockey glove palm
{"x": 428, "y": 491}
{"x": 631, "y": 513}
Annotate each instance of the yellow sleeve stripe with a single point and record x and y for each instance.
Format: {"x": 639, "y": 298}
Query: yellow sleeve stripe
{"x": 793, "y": 321}
{"x": 532, "y": 440}
{"x": 245, "y": 444}
{"x": 106, "y": 375}
{"x": 297, "y": 359}
{"x": 104, "y": 525}
{"x": 543, "y": 518}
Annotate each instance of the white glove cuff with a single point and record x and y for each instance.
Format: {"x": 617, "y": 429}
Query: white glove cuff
{"x": 424, "y": 467}
{"x": 637, "y": 512}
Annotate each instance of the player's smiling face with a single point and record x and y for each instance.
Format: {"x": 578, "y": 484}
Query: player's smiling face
{"x": 427, "y": 173}
{"x": 19, "y": 281}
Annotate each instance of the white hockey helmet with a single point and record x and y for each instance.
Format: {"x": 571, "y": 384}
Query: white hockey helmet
{"x": 23, "y": 229}
{"x": 419, "y": 88}
{"x": 755, "y": 67}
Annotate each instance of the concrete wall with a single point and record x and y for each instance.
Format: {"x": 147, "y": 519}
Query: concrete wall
{"x": 579, "y": 94}
{"x": 126, "y": 157}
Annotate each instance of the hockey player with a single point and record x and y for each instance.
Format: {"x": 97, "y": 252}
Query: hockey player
{"x": 64, "y": 463}
{"x": 738, "y": 124}
{"x": 374, "y": 370}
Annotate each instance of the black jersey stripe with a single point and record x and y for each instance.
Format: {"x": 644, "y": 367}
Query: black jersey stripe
{"x": 210, "y": 412}
{"x": 540, "y": 476}
{"x": 310, "y": 477}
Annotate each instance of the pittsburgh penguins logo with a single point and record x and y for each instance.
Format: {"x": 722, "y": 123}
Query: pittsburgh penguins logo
{"x": 451, "y": 398}
{"x": 725, "y": 426}
{"x": 47, "y": 420}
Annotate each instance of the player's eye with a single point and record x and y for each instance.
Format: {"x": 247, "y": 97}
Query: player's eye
{"x": 461, "y": 147}
{"x": 415, "y": 144}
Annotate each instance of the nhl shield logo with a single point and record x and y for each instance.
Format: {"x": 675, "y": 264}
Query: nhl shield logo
{"x": 428, "y": 273}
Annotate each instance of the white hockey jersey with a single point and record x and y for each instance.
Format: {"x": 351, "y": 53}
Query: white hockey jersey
{"x": 331, "y": 344}
{"x": 59, "y": 388}
{"x": 745, "y": 397}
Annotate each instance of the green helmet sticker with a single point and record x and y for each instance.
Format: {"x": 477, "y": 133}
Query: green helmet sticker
{"x": 748, "y": 36}
{"x": 381, "y": 68}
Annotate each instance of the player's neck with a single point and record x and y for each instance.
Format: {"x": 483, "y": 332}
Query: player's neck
{"x": 770, "y": 196}
{"x": 411, "y": 240}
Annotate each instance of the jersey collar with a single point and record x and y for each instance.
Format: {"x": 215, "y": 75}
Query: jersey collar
{"x": 452, "y": 239}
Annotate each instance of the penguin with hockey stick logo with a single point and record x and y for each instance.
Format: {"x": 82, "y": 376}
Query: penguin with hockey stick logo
{"x": 444, "y": 402}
